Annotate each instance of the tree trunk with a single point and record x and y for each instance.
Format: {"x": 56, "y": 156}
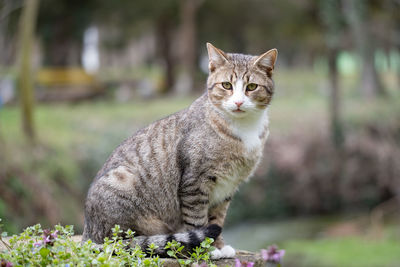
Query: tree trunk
{"x": 164, "y": 49}
{"x": 188, "y": 56}
{"x": 398, "y": 65}
{"x": 7, "y": 7}
{"x": 27, "y": 26}
{"x": 356, "y": 15}
{"x": 331, "y": 17}
{"x": 334, "y": 103}
{"x": 3, "y": 30}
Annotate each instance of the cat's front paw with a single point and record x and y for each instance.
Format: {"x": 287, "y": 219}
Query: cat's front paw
{"x": 223, "y": 253}
{"x": 216, "y": 254}
{"x": 228, "y": 252}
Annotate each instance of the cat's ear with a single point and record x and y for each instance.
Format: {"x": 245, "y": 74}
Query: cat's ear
{"x": 216, "y": 57}
{"x": 267, "y": 61}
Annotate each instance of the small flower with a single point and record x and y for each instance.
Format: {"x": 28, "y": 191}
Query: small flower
{"x": 54, "y": 235}
{"x": 239, "y": 263}
{"x": 49, "y": 237}
{"x": 4, "y": 263}
{"x": 272, "y": 254}
{"x": 46, "y": 239}
{"x": 46, "y": 232}
{"x": 37, "y": 244}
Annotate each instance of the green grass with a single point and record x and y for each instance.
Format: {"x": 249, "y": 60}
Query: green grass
{"x": 57, "y": 124}
{"x": 346, "y": 252}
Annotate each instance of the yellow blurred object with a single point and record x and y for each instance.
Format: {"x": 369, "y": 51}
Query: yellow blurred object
{"x": 66, "y": 84}
{"x": 64, "y": 76}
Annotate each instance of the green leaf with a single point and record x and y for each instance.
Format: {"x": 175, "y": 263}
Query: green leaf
{"x": 170, "y": 253}
{"x": 44, "y": 252}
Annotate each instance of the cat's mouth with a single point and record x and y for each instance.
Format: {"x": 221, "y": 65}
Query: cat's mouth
{"x": 238, "y": 110}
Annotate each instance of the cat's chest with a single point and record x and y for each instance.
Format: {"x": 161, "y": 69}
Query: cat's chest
{"x": 250, "y": 138}
{"x": 252, "y": 133}
{"x": 239, "y": 159}
{"x": 230, "y": 174}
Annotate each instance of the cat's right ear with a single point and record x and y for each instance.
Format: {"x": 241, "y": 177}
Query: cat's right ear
{"x": 216, "y": 57}
{"x": 267, "y": 61}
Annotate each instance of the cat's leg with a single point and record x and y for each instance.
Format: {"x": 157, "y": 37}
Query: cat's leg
{"x": 194, "y": 204}
{"x": 217, "y": 216}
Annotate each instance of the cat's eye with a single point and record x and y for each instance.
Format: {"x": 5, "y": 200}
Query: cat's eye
{"x": 251, "y": 87}
{"x": 227, "y": 85}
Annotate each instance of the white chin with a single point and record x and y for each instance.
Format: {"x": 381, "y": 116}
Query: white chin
{"x": 237, "y": 114}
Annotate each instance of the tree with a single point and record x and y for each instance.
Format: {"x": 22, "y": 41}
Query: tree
{"x": 61, "y": 25}
{"x": 132, "y": 18}
{"x": 27, "y": 26}
{"x": 7, "y": 25}
{"x": 331, "y": 17}
{"x": 356, "y": 12}
{"x": 189, "y": 9}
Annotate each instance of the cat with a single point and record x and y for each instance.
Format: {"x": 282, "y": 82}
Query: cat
{"x": 174, "y": 179}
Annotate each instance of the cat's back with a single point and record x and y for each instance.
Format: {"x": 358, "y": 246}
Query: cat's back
{"x": 154, "y": 147}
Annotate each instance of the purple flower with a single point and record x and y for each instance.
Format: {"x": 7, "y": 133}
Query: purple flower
{"x": 37, "y": 244}
{"x": 46, "y": 232}
{"x": 238, "y": 263}
{"x": 272, "y": 254}
{"x": 54, "y": 235}
{"x": 49, "y": 237}
{"x": 46, "y": 239}
{"x": 5, "y": 263}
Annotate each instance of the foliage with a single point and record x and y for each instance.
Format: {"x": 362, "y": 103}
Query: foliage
{"x": 39, "y": 247}
{"x": 198, "y": 256}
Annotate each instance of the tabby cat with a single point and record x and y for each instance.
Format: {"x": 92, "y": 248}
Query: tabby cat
{"x": 174, "y": 179}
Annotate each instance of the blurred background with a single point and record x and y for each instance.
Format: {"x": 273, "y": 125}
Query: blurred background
{"x": 78, "y": 77}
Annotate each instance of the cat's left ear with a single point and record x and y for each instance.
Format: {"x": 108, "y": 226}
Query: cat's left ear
{"x": 267, "y": 60}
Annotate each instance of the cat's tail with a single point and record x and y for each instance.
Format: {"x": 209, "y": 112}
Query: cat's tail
{"x": 189, "y": 240}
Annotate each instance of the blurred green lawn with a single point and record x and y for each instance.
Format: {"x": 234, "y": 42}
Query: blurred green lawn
{"x": 349, "y": 252}
{"x": 311, "y": 242}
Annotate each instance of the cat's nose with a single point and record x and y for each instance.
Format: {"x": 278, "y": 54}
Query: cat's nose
{"x": 238, "y": 103}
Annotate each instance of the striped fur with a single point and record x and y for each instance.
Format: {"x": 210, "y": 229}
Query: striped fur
{"x": 189, "y": 240}
{"x": 175, "y": 178}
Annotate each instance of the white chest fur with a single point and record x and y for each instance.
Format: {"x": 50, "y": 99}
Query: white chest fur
{"x": 224, "y": 188}
{"x": 249, "y": 132}
{"x": 250, "y": 129}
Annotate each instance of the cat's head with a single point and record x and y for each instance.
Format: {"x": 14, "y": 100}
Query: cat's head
{"x": 240, "y": 85}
